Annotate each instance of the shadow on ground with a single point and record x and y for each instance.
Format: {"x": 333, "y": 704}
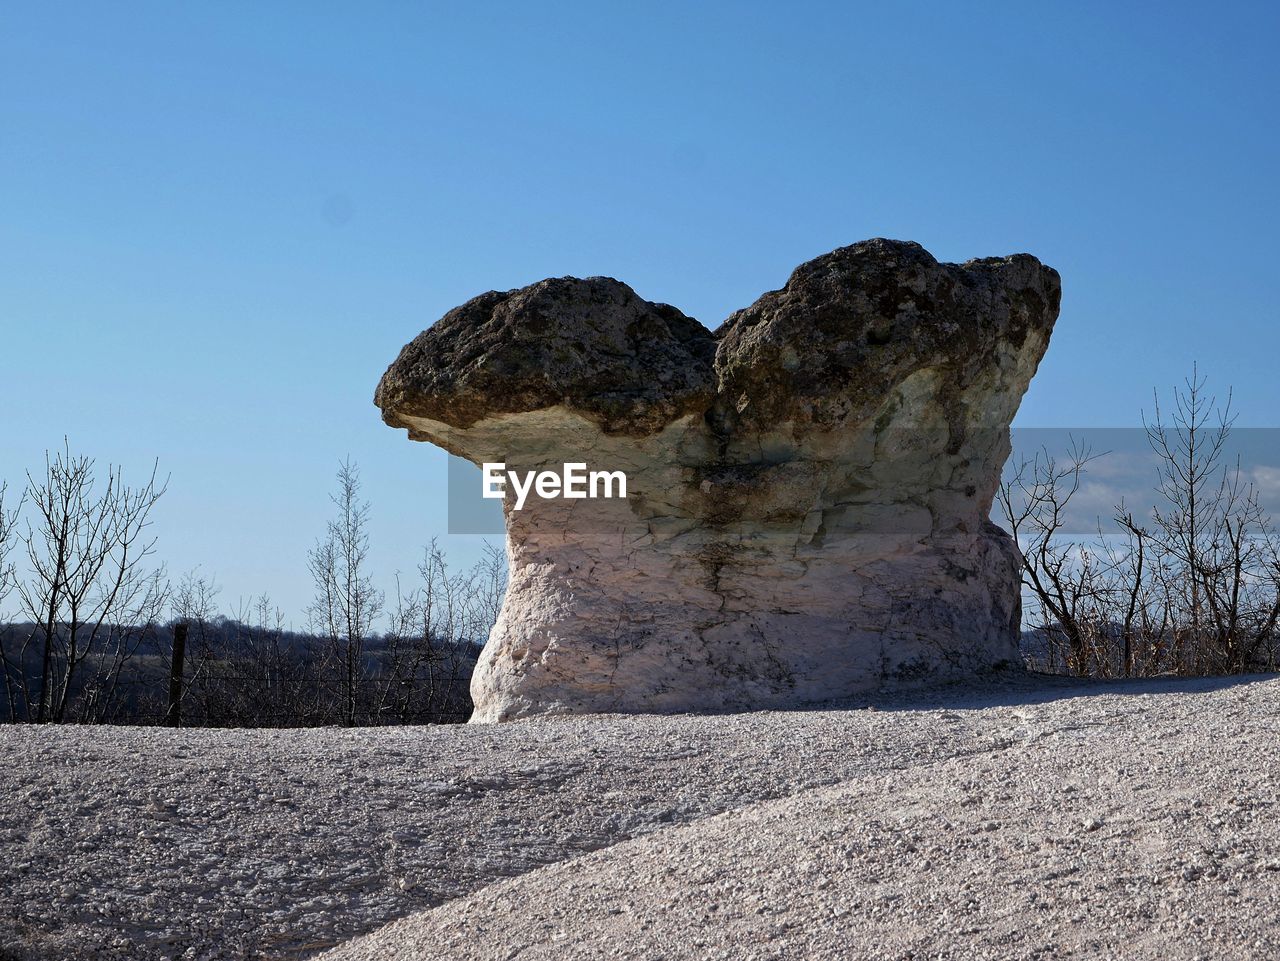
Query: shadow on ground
{"x": 1014, "y": 690}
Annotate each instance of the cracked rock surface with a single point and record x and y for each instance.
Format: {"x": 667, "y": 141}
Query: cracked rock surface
{"x": 808, "y": 486}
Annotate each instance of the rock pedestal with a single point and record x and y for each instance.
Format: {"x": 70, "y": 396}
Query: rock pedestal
{"x": 808, "y": 486}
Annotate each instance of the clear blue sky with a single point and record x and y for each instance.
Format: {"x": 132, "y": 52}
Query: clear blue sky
{"x": 220, "y": 221}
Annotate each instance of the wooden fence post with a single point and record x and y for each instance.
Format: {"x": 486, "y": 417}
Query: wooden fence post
{"x": 174, "y": 717}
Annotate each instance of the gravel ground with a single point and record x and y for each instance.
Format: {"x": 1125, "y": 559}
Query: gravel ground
{"x": 1030, "y": 818}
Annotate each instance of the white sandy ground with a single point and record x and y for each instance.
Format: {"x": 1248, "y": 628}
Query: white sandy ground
{"x": 1028, "y": 818}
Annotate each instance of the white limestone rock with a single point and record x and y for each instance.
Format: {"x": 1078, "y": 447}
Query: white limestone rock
{"x": 808, "y": 486}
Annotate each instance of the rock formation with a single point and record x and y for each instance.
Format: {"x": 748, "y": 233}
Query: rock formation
{"x": 808, "y": 486}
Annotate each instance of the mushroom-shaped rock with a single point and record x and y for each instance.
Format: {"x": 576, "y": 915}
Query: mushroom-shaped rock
{"x": 808, "y": 487}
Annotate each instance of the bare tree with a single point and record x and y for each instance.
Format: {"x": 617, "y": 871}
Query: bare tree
{"x": 490, "y": 580}
{"x": 8, "y": 528}
{"x": 260, "y": 678}
{"x": 1128, "y": 570}
{"x": 1062, "y": 575}
{"x": 92, "y": 647}
{"x": 458, "y": 611}
{"x": 1194, "y": 589}
{"x": 1214, "y": 534}
{"x": 277, "y": 680}
{"x": 434, "y": 635}
{"x": 346, "y": 605}
{"x": 250, "y": 671}
{"x": 91, "y": 593}
{"x": 194, "y": 603}
{"x": 8, "y": 577}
